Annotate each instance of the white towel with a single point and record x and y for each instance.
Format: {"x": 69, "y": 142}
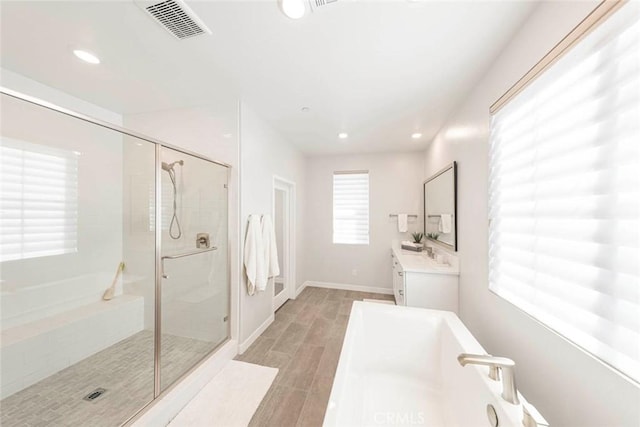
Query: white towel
{"x": 254, "y": 255}
{"x": 444, "y": 225}
{"x": 410, "y": 243}
{"x": 271, "y": 267}
{"x": 402, "y": 223}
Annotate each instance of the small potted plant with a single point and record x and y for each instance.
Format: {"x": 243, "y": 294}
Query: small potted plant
{"x": 433, "y": 236}
{"x": 417, "y": 237}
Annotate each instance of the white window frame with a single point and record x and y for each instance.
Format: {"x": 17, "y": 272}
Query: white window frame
{"x": 351, "y": 211}
{"x": 39, "y": 198}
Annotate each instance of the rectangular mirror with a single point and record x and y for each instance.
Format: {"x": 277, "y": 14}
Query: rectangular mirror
{"x": 440, "y": 213}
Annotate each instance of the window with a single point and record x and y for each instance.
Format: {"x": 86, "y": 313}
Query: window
{"x": 39, "y": 197}
{"x": 351, "y": 208}
{"x": 564, "y": 195}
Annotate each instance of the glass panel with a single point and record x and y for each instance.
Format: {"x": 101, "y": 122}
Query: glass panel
{"x": 77, "y": 270}
{"x": 278, "y": 224}
{"x": 195, "y": 292}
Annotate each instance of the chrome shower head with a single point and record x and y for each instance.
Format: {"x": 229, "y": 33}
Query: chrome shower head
{"x": 169, "y": 166}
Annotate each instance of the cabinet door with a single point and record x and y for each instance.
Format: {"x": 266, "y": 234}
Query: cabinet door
{"x": 398, "y": 285}
{"x": 433, "y": 291}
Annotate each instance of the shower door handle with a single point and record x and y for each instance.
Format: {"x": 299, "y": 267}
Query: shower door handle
{"x": 186, "y": 254}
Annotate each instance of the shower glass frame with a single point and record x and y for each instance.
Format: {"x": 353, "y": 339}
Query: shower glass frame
{"x": 158, "y": 145}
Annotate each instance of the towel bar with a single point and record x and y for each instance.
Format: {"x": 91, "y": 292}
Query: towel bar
{"x": 186, "y": 254}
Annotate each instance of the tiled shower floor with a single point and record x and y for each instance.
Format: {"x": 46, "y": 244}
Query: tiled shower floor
{"x": 125, "y": 370}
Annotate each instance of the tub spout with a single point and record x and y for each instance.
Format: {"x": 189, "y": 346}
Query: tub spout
{"x": 496, "y": 365}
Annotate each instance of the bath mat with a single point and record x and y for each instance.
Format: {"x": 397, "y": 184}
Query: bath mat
{"x": 230, "y": 398}
{"x": 379, "y": 301}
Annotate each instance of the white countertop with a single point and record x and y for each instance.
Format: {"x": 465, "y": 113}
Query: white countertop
{"x": 419, "y": 262}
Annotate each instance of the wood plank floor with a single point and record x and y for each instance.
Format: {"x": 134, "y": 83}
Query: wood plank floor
{"x": 304, "y": 342}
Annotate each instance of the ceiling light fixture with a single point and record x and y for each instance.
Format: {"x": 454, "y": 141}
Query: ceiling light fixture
{"x": 294, "y": 9}
{"x": 86, "y": 56}
{"x": 343, "y": 135}
{"x": 416, "y": 135}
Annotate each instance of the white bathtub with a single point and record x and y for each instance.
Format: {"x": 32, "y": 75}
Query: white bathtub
{"x": 399, "y": 366}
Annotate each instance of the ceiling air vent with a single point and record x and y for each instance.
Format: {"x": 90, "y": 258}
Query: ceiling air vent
{"x": 176, "y": 17}
{"x": 315, "y": 4}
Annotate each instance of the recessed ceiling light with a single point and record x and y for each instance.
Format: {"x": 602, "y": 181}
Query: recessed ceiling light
{"x": 343, "y": 135}
{"x": 294, "y": 9}
{"x": 416, "y": 135}
{"x": 86, "y": 56}
{"x": 305, "y": 109}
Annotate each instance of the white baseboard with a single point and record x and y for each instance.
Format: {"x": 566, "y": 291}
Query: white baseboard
{"x": 254, "y": 336}
{"x": 300, "y": 289}
{"x": 347, "y": 287}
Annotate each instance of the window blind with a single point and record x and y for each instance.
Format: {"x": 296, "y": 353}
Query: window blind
{"x": 564, "y": 195}
{"x": 351, "y": 208}
{"x": 39, "y": 200}
{"x": 166, "y": 209}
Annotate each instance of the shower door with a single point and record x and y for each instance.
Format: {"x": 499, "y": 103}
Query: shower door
{"x": 194, "y": 313}
{"x": 77, "y": 269}
{"x": 91, "y": 217}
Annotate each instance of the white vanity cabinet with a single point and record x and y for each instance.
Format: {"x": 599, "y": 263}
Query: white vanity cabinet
{"x": 418, "y": 281}
{"x": 398, "y": 280}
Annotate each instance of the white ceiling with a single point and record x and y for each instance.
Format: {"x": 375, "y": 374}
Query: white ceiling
{"x": 377, "y": 70}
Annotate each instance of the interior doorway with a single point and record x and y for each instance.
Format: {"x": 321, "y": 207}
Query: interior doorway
{"x": 284, "y": 223}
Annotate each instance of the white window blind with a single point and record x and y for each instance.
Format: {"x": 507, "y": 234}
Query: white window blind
{"x": 564, "y": 195}
{"x": 351, "y": 208}
{"x": 39, "y": 200}
{"x": 166, "y": 209}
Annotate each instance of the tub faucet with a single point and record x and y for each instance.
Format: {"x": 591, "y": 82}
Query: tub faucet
{"x": 496, "y": 365}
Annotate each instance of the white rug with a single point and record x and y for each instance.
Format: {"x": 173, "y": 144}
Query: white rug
{"x": 230, "y": 399}
{"x": 379, "y": 301}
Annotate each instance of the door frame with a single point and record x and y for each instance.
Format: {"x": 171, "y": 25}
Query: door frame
{"x": 288, "y": 255}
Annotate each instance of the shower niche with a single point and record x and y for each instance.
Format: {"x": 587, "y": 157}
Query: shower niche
{"x": 87, "y": 207}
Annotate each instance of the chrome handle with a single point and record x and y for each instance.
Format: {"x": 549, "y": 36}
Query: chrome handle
{"x": 186, "y": 254}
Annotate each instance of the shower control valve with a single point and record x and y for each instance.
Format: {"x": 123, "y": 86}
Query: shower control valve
{"x": 203, "y": 241}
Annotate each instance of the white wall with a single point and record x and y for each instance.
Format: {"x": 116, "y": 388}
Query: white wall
{"x": 265, "y": 153}
{"x": 27, "y": 86}
{"x": 569, "y": 387}
{"x": 395, "y": 186}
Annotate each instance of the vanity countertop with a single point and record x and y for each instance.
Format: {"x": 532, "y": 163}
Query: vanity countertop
{"x": 419, "y": 262}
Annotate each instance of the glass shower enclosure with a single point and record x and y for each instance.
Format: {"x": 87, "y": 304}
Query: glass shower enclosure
{"x": 114, "y": 277}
